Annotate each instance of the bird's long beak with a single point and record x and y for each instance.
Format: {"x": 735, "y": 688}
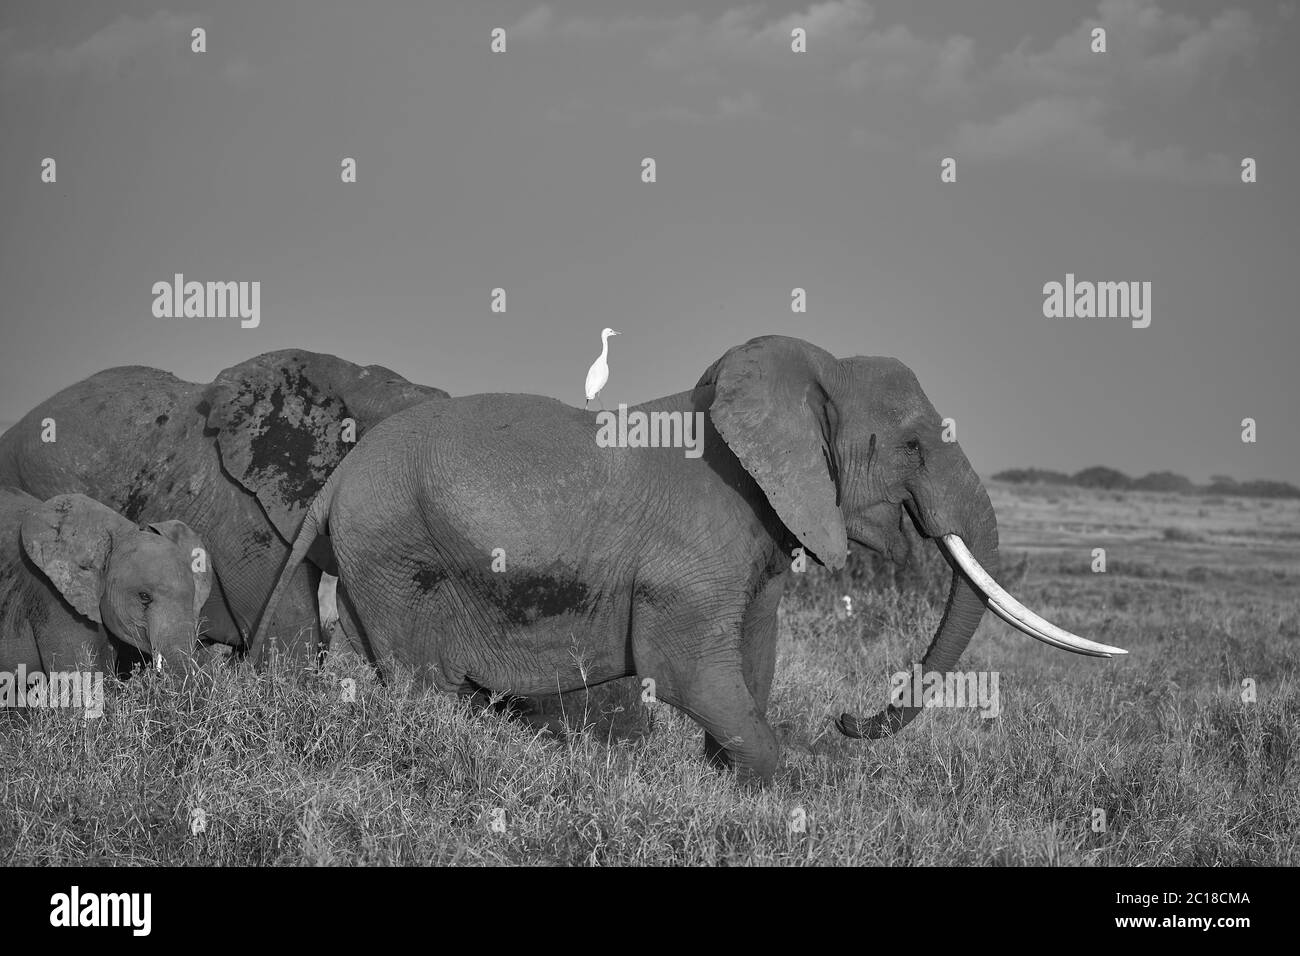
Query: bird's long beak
{"x": 612, "y": 332}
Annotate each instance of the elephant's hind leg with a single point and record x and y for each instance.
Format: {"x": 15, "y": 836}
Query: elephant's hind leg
{"x": 758, "y": 655}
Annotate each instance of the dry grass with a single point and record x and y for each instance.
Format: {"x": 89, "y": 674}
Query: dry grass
{"x": 286, "y": 771}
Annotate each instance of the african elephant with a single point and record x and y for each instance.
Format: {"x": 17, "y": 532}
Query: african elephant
{"x": 645, "y": 560}
{"x": 239, "y": 460}
{"x": 72, "y": 569}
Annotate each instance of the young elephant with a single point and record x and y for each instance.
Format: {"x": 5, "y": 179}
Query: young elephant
{"x": 513, "y": 543}
{"x": 73, "y": 571}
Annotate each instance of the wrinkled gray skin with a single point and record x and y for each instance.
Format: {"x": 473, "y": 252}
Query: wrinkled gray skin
{"x": 239, "y": 460}
{"x": 640, "y": 560}
{"x": 70, "y": 565}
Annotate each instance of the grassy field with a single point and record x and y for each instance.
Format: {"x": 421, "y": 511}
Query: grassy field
{"x": 1204, "y": 592}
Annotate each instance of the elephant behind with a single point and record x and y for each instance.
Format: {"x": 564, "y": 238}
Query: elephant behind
{"x": 492, "y": 542}
{"x": 72, "y": 572}
{"x": 238, "y": 459}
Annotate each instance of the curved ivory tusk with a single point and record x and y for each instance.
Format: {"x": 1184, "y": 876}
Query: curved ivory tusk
{"x": 1016, "y": 614}
{"x": 327, "y": 599}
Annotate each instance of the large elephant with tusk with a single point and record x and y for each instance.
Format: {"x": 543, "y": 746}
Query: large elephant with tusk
{"x": 493, "y": 542}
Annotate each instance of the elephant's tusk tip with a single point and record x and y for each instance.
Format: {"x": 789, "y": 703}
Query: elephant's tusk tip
{"x": 1006, "y": 607}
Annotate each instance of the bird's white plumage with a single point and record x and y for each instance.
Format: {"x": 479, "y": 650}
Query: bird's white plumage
{"x": 598, "y": 374}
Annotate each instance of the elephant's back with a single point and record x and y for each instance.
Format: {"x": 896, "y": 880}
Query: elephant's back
{"x": 508, "y": 438}
{"x": 116, "y": 426}
{"x": 520, "y": 472}
{"x": 532, "y": 421}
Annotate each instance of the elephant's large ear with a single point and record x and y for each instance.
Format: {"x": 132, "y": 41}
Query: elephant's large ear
{"x": 280, "y": 424}
{"x": 771, "y": 408}
{"x": 190, "y": 544}
{"x": 70, "y": 538}
{"x": 381, "y": 392}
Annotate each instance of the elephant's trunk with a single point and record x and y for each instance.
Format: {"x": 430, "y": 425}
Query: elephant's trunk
{"x": 172, "y": 641}
{"x": 965, "y": 530}
{"x": 972, "y": 518}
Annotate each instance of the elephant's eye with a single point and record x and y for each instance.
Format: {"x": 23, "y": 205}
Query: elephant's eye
{"x": 913, "y": 444}
{"x": 145, "y": 597}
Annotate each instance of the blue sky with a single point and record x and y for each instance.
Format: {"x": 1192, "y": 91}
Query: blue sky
{"x": 775, "y": 170}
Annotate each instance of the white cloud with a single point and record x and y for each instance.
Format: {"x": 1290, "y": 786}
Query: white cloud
{"x": 1067, "y": 132}
{"x": 1147, "y": 49}
{"x": 126, "y": 40}
{"x": 898, "y": 60}
{"x": 540, "y": 23}
{"x": 1063, "y": 104}
{"x": 535, "y": 23}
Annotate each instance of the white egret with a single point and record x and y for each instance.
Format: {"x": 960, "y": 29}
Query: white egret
{"x": 598, "y": 374}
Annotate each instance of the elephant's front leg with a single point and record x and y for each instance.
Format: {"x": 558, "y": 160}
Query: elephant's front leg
{"x": 736, "y": 734}
{"x": 758, "y": 657}
{"x": 711, "y": 687}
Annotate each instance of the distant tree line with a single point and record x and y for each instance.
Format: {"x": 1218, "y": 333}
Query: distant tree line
{"x": 1099, "y": 476}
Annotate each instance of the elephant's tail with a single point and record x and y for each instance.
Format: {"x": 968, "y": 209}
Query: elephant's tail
{"x": 313, "y": 523}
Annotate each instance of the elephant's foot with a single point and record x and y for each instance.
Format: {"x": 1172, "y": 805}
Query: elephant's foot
{"x": 757, "y": 769}
{"x": 735, "y": 736}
